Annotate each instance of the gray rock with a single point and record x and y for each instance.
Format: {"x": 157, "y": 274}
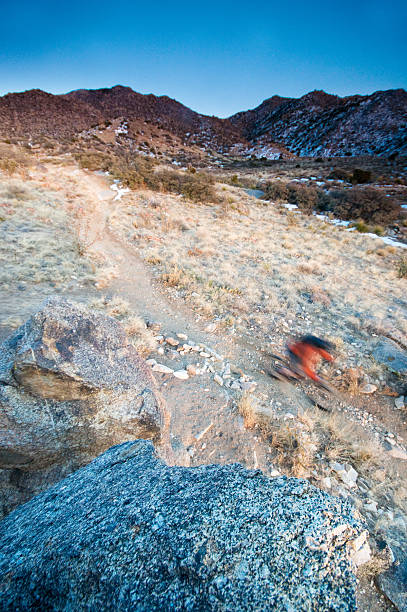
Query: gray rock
{"x": 399, "y": 402}
{"x": 127, "y": 532}
{"x": 393, "y": 582}
{"x": 71, "y": 386}
{"x": 391, "y": 355}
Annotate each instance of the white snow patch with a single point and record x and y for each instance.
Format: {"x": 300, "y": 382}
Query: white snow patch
{"x": 120, "y": 190}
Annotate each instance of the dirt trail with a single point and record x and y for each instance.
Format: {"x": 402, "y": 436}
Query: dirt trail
{"x": 199, "y": 402}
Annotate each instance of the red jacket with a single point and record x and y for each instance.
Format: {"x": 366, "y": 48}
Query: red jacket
{"x": 309, "y": 357}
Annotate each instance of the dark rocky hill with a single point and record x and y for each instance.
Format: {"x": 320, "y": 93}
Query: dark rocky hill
{"x": 326, "y": 125}
{"x": 318, "y": 124}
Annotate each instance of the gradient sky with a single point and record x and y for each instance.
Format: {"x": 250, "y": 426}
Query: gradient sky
{"x": 215, "y": 57}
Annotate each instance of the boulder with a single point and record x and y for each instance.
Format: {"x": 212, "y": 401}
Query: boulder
{"x": 71, "y": 386}
{"x": 127, "y": 532}
{"x": 391, "y": 355}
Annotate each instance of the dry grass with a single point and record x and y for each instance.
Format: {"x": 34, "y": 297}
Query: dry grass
{"x": 256, "y": 270}
{"x": 296, "y": 446}
{"x": 247, "y": 409}
{"x": 344, "y": 440}
{"x": 37, "y": 244}
{"x": 135, "y": 327}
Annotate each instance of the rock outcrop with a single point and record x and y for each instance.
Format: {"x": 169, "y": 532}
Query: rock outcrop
{"x": 71, "y": 386}
{"x": 127, "y": 532}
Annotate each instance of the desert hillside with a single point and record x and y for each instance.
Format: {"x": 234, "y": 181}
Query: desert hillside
{"x": 142, "y": 298}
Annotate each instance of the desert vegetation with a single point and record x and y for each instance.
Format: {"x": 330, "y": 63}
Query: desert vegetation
{"x": 139, "y": 172}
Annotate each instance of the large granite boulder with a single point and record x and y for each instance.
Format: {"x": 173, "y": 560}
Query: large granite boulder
{"x": 71, "y": 386}
{"x": 128, "y": 532}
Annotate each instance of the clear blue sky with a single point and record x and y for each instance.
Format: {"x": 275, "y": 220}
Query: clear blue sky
{"x": 215, "y": 57}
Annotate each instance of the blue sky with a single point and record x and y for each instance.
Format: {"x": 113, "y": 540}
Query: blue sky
{"x": 215, "y": 57}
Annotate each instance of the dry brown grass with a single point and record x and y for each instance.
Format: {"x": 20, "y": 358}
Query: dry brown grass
{"x": 37, "y": 244}
{"x": 135, "y": 327}
{"x": 344, "y": 440}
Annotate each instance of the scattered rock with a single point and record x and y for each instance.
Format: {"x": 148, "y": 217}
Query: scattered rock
{"x": 218, "y": 379}
{"x": 151, "y": 362}
{"x": 368, "y": 388}
{"x": 71, "y": 385}
{"x": 192, "y": 369}
{"x": 162, "y": 369}
{"x": 182, "y": 336}
{"x": 210, "y": 328}
{"x": 172, "y": 341}
{"x": 399, "y": 402}
{"x": 397, "y": 453}
{"x": 128, "y": 532}
{"x": 181, "y": 374}
{"x": 248, "y": 386}
{"x": 348, "y": 475}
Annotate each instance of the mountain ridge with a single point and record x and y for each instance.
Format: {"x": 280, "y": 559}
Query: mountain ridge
{"x": 316, "y": 124}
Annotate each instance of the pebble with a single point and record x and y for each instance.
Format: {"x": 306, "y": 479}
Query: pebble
{"x": 326, "y": 482}
{"x": 181, "y": 374}
{"x": 160, "y": 350}
{"x": 182, "y": 336}
{"x": 399, "y": 402}
{"x": 371, "y": 506}
{"x": 203, "y": 354}
{"x": 159, "y": 367}
{"x": 398, "y": 453}
{"x": 192, "y": 370}
{"x": 218, "y": 379}
{"x": 210, "y": 328}
{"x": 172, "y": 341}
{"x": 248, "y": 386}
{"x": 151, "y": 362}
{"x": 368, "y": 388}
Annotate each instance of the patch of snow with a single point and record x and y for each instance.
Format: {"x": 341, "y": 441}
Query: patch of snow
{"x": 120, "y": 190}
{"x": 290, "y": 206}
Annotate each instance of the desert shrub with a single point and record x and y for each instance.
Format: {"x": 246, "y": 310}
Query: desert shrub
{"x": 135, "y": 171}
{"x": 93, "y": 160}
{"x": 361, "y": 226}
{"x": 305, "y": 197}
{"x": 9, "y": 166}
{"x": 402, "y": 267}
{"x": 12, "y": 159}
{"x": 339, "y": 174}
{"x": 198, "y": 187}
{"x": 361, "y": 176}
{"x": 275, "y": 190}
{"x": 367, "y": 203}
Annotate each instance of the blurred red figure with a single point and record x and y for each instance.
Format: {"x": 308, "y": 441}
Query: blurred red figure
{"x": 306, "y": 353}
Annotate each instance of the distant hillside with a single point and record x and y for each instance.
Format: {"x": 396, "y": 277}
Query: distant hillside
{"x": 322, "y": 124}
{"x": 318, "y": 124}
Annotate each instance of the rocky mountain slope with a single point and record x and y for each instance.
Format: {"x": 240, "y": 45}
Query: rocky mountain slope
{"x": 318, "y": 124}
{"x": 326, "y": 125}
